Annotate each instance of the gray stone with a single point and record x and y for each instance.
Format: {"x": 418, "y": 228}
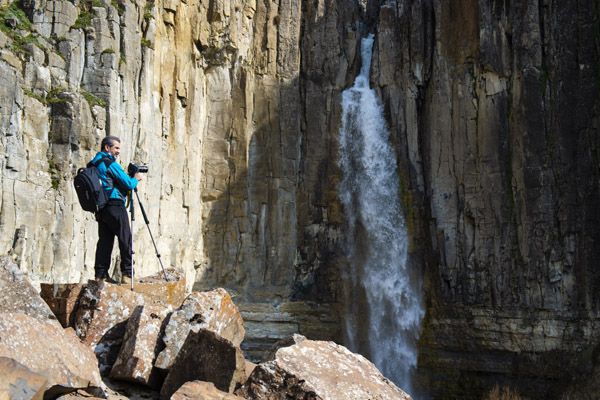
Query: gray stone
{"x": 319, "y": 370}
{"x": 19, "y": 296}
{"x": 101, "y": 319}
{"x": 19, "y": 382}
{"x": 213, "y": 310}
{"x": 208, "y": 357}
{"x": 140, "y": 346}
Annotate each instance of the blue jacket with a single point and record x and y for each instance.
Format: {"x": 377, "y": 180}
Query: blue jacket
{"x": 115, "y": 177}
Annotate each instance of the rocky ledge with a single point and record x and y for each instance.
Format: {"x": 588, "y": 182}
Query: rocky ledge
{"x": 103, "y": 340}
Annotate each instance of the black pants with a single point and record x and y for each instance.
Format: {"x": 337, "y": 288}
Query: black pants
{"x": 113, "y": 221}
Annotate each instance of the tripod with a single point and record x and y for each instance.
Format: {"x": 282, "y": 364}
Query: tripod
{"x": 131, "y": 209}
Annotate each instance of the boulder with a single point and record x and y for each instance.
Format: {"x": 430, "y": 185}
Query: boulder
{"x": 19, "y": 296}
{"x": 213, "y": 310}
{"x": 318, "y": 370}
{"x": 198, "y": 390}
{"x": 285, "y": 342}
{"x": 208, "y": 357}
{"x": 45, "y": 349}
{"x": 101, "y": 319}
{"x": 157, "y": 290}
{"x": 62, "y": 299}
{"x": 140, "y": 346}
{"x": 19, "y": 382}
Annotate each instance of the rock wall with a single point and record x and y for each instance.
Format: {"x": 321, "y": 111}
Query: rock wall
{"x": 494, "y": 106}
{"x": 209, "y": 95}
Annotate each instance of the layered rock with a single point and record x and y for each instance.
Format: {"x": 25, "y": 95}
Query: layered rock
{"x": 494, "y": 112}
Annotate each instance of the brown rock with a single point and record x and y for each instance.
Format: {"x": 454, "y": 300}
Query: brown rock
{"x": 19, "y": 296}
{"x": 319, "y": 370}
{"x": 199, "y": 390}
{"x": 62, "y": 300}
{"x": 140, "y": 345}
{"x": 19, "y": 382}
{"x": 43, "y": 348}
{"x": 211, "y": 310}
{"x": 159, "y": 291}
{"x": 208, "y": 357}
{"x": 101, "y": 319}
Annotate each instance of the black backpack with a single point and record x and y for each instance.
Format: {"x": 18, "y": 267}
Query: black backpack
{"x": 88, "y": 186}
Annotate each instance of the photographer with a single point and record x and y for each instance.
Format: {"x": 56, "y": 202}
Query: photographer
{"x": 112, "y": 219}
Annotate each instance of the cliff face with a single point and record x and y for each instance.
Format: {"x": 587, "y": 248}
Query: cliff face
{"x": 208, "y": 94}
{"x": 494, "y": 106}
{"x": 235, "y": 107}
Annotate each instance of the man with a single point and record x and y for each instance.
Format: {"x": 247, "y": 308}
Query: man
{"x": 112, "y": 219}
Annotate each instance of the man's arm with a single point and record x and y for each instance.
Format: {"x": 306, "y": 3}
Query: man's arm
{"x": 123, "y": 179}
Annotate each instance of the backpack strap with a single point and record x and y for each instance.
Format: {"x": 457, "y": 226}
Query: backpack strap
{"x": 107, "y": 161}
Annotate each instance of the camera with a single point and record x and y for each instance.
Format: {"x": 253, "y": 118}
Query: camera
{"x": 133, "y": 169}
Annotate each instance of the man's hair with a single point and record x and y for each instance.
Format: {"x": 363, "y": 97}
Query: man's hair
{"x": 110, "y": 141}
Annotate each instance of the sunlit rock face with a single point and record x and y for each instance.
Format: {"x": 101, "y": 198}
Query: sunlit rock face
{"x": 235, "y": 106}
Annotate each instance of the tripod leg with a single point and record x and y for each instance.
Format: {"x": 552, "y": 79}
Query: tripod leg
{"x": 132, "y": 252}
{"x": 151, "y": 236}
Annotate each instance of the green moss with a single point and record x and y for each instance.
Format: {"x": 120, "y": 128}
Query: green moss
{"x": 35, "y": 96}
{"x": 84, "y": 20}
{"x": 51, "y": 97}
{"x": 145, "y": 42}
{"x": 14, "y": 23}
{"x": 13, "y": 17}
{"x": 116, "y": 5}
{"x": 108, "y": 51}
{"x": 54, "y": 173}
{"x": 92, "y": 99}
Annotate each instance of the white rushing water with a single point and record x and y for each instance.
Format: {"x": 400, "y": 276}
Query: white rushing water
{"x": 385, "y": 327}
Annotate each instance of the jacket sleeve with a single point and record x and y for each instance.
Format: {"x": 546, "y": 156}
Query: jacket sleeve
{"x": 123, "y": 179}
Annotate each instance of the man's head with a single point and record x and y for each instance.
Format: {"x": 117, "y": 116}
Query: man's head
{"x": 111, "y": 145}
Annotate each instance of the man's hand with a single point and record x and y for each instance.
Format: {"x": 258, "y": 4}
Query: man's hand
{"x": 138, "y": 177}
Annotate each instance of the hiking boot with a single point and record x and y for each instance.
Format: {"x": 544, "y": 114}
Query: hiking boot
{"x": 126, "y": 280}
{"x": 107, "y": 280}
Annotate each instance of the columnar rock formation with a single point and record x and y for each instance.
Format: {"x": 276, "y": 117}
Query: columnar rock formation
{"x": 235, "y": 107}
{"x": 494, "y": 106}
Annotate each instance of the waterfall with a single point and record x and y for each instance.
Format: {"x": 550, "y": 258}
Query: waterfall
{"x": 383, "y": 296}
